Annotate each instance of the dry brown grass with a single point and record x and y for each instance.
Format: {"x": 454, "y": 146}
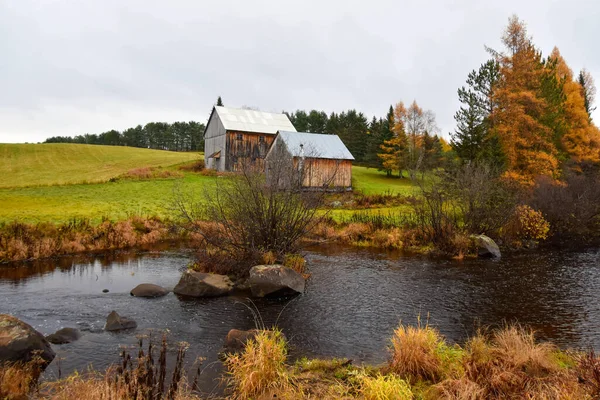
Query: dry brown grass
{"x": 18, "y": 380}
{"x": 414, "y": 353}
{"x": 261, "y": 368}
{"x": 20, "y": 241}
{"x": 145, "y": 173}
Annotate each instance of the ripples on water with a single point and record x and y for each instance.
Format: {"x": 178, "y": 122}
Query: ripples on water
{"x": 353, "y": 301}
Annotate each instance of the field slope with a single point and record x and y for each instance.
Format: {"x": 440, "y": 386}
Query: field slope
{"x": 26, "y": 165}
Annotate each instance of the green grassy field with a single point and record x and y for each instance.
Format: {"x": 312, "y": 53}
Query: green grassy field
{"x": 33, "y": 188}
{"x": 371, "y": 181}
{"x": 66, "y": 163}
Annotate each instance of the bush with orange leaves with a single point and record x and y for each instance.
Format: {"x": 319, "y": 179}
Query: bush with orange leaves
{"x": 525, "y": 225}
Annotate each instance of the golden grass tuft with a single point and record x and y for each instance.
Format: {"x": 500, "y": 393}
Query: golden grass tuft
{"x": 415, "y": 353}
{"x": 261, "y": 367}
{"x": 295, "y": 262}
{"x": 17, "y": 380}
{"x": 384, "y": 387}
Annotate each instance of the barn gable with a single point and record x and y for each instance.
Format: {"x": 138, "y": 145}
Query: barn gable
{"x": 234, "y": 135}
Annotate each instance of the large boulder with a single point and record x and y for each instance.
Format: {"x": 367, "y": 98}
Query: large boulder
{"x": 20, "y": 342}
{"x": 114, "y": 322}
{"x": 486, "y": 247}
{"x": 148, "y": 290}
{"x": 64, "y": 336}
{"x": 272, "y": 280}
{"x": 236, "y": 340}
{"x": 199, "y": 284}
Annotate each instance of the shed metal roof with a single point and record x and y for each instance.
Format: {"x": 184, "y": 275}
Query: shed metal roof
{"x": 315, "y": 145}
{"x": 237, "y": 119}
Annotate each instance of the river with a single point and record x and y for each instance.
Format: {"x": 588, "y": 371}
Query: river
{"x": 353, "y": 301}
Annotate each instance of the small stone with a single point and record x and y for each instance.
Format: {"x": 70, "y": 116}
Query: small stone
{"x": 236, "y": 340}
{"x": 199, "y": 284}
{"x": 114, "y": 322}
{"x": 64, "y": 336}
{"x": 149, "y": 290}
{"x": 275, "y": 280}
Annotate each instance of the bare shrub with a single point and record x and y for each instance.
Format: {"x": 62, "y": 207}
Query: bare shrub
{"x": 572, "y": 207}
{"x": 196, "y": 166}
{"x": 485, "y": 202}
{"x": 253, "y": 213}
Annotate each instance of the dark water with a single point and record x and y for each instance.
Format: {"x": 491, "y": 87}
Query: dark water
{"x": 353, "y": 301}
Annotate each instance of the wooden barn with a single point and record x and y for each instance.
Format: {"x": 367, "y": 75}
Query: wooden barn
{"x": 235, "y": 137}
{"x": 321, "y": 160}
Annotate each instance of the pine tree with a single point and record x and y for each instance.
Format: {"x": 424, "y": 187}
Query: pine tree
{"x": 588, "y": 91}
{"x": 474, "y": 121}
{"x": 219, "y": 102}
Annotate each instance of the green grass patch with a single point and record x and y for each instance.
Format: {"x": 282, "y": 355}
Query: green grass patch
{"x": 113, "y": 200}
{"x": 370, "y": 181}
{"x": 25, "y": 165}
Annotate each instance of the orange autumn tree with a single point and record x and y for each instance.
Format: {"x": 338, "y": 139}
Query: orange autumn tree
{"x": 581, "y": 139}
{"x": 526, "y": 141}
{"x": 394, "y": 151}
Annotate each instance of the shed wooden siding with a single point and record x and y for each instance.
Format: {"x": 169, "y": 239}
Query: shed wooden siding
{"x": 319, "y": 172}
{"x": 248, "y": 148}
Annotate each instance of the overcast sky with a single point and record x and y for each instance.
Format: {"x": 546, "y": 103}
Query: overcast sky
{"x": 72, "y": 67}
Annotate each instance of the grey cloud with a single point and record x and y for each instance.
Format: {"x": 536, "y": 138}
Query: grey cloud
{"x": 68, "y": 66}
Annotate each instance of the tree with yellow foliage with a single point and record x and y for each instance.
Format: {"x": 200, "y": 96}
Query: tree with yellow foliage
{"x": 526, "y": 141}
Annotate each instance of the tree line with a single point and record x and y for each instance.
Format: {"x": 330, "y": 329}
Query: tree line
{"x": 178, "y": 136}
{"x": 382, "y": 142}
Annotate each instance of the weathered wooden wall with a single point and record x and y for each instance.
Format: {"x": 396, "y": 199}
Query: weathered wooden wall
{"x": 250, "y": 150}
{"x": 214, "y": 141}
{"x": 320, "y": 172}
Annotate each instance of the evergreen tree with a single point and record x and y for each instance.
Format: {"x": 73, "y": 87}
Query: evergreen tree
{"x": 219, "y": 102}
{"x": 474, "y": 118}
{"x": 588, "y": 91}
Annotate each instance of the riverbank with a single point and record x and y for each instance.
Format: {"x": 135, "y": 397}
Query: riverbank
{"x": 28, "y": 242}
{"x": 506, "y": 363}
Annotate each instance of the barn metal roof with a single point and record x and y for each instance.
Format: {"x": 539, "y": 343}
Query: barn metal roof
{"x": 237, "y": 119}
{"x": 315, "y": 145}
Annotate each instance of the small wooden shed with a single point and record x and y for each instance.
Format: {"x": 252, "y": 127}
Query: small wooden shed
{"x": 322, "y": 160}
{"x": 234, "y": 137}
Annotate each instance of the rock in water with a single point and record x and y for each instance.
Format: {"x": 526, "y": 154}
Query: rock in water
{"x": 64, "y": 336}
{"x": 199, "y": 284}
{"x": 486, "y": 247}
{"x": 19, "y": 341}
{"x": 114, "y": 322}
{"x": 148, "y": 290}
{"x": 236, "y": 340}
{"x": 268, "y": 280}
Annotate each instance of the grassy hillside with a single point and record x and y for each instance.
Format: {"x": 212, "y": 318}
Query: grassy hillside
{"x": 42, "y": 183}
{"x": 371, "y": 181}
{"x": 113, "y": 200}
{"x": 66, "y": 163}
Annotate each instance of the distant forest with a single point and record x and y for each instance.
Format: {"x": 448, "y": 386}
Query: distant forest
{"x": 363, "y": 138}
{"x": 178, "y": 136}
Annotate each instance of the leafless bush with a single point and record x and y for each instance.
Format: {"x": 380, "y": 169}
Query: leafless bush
{"x": 484, "y": 201}
{"x": 255, "y": 213}
{"x": 572, "y": 207}
{"x": 460, "y": 201}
